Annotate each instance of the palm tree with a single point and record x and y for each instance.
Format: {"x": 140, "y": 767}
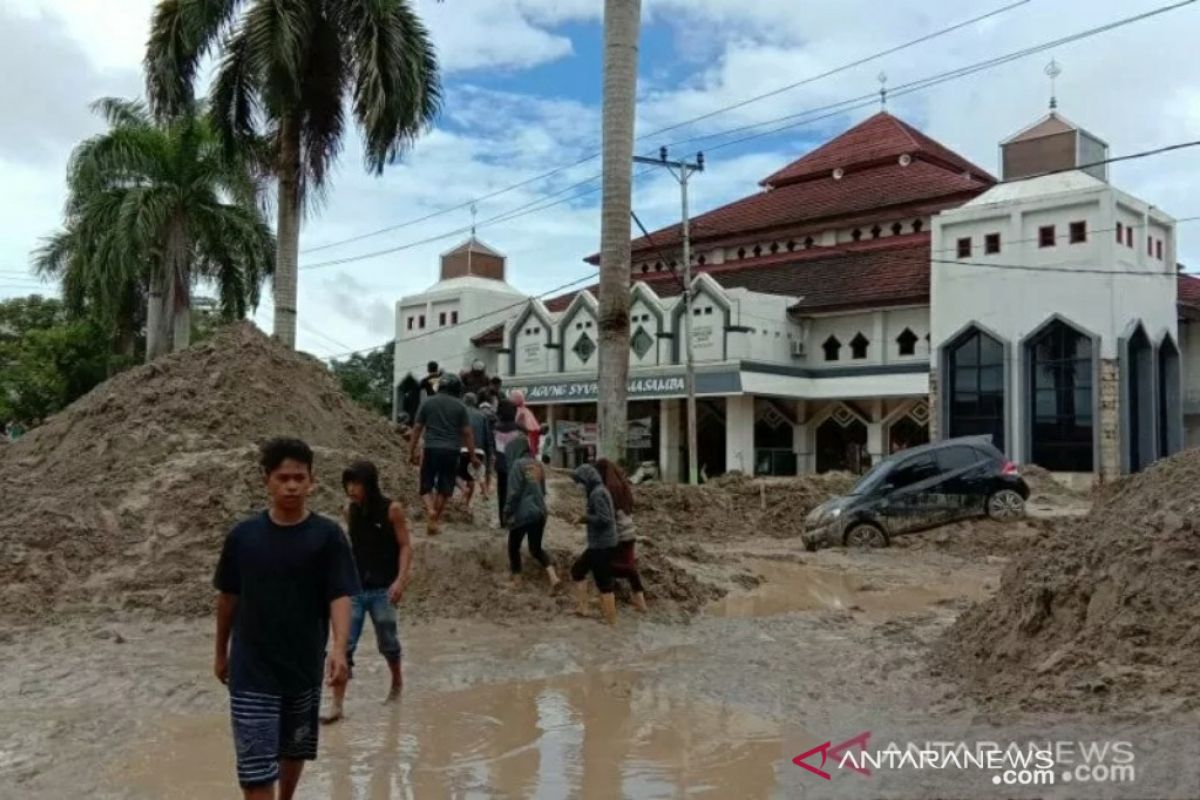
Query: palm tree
{"x": 154, "y": 208}
{"x": 622, "y": 20}
{"x": 288, "y": 71}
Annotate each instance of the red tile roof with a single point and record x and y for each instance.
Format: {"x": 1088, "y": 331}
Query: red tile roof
{"x": 877, "y": 139}
{"x": 886, "y": 272}
{"x": 1189, "y": 295}
{"x": 491, "y": 337}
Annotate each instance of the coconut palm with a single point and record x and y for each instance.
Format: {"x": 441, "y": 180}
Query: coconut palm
{"x": 622, "y": 21}
{"x": 157, "y": 207}
{"x": 291, "y": 71}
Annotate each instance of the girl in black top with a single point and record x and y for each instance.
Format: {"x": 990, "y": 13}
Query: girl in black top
{"x": 383, "y": 555}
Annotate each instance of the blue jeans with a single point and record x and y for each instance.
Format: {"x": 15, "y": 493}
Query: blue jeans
{"x": 383, "y": 616}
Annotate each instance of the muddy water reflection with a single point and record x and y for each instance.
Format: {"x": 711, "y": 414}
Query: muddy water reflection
{"x": 801, "y": 587}
{"x": 595, "y": 735}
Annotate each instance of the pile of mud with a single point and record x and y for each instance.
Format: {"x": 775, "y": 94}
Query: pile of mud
{"x": 1098, "y": 610}
{"x": 122, "y": 500}
{"x": 729, "y": 508}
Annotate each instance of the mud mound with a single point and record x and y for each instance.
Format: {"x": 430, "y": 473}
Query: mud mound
{"x": 1047, "y": 492}
{"x": 1104, "y": 606}
{"x": 464, "y": 574}
{"x": 122, "y": 499}
{"x": 729, "y": 508}
{"x": 978, "y": 538}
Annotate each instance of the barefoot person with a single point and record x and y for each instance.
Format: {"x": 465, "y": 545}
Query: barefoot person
{"x": 469, "y": 472}
{"x": 625, "y": 560}
{"x": 526, "y": 509}
{"x": 383, "y": 555}
{"x": 445, "y": 427}
{"x": 601, "y": 521}
{"x": 285, "y": 579}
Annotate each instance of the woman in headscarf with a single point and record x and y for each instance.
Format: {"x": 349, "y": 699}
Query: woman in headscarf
{"x": 527, "y": 419}
{"x": 625, "y": 558}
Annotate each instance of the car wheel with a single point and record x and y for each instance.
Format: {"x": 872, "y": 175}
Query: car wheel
{"x": 1006, "y": 504}
{"x": 865, "y": 535}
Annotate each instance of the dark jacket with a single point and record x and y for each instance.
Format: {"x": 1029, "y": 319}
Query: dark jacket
{"x": 601, "y": 517}
{"x": 485, "y": 441}
{"x": 526, "y": 500}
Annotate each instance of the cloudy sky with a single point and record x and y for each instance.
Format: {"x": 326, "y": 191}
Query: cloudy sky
{"x": 522, "y": 85}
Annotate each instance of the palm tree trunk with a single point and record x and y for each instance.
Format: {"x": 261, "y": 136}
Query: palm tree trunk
{"x": 622, "y": 20}
{"x": 179, "y": 295}
{"x": 158, "y": 327}
{"x": 287, "y": 232}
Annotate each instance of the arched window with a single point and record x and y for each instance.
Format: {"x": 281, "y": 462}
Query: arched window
{"x": 856, "y": 234}
{"x": 976, "y": 393}
{"x": 808, "y": 242}
{"x": 832, "y": 348}
{"x": 917, "y": 225}
{"x": 876, "y": 232}
{"x": 858, "y": 346}
{"x": 1060, "y": 383}
{"x": 897, "y": 228}
{"x": 907, "y": 342}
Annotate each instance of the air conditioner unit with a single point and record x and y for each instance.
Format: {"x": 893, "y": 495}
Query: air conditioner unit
{"x": 798, "y": 349}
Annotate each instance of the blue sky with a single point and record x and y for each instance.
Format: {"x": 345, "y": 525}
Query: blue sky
{"x": 522, "y": 80}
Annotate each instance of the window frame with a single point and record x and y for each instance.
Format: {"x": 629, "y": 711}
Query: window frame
{"x": 988, "y": 241}
{"x": 832, "y": 343}
{"x": 963, "y": 247}
{"x": 1077, "y": 232}
{"x": 1044, "y": 241}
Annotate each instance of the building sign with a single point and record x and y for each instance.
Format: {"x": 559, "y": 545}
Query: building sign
{"x": 639, "y": 435}
{"x": 572, "y": 435}
{"x": 640, "y": 387}
{"x": 532, "y": 354}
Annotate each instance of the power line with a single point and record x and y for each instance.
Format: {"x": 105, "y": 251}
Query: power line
{"x": 806, "y": 118}
{"x": 674, "y": 126}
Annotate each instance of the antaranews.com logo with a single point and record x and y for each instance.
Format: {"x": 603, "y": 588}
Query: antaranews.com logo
{"x": 1026, "y": 763}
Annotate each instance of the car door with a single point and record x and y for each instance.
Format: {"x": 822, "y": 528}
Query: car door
{"x": 913, "y": 501}
{"x": 965, "y": 493}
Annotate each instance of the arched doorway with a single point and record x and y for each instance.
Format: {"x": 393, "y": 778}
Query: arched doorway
{"x": 907, "y": 432}
{"x": 1170, "y": 399}
{"x": 1061, "y": 365}
{"x": 842, "y": 443}
{"x": 1139, "y": 395}
{"x": 975, "y": 368}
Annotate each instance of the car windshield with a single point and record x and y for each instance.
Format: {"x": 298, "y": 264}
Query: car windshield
{"x": 874, "y": 477}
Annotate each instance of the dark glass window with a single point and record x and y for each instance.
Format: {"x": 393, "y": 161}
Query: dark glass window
{"x": 964, "y": 247}
{"x": 907, "y": 341}
{"x": 1046, "y": 236}
{"x": 1060, "y": 364}
{"x": 913, "y": 471}
{"x": 1078, "y": 232}
{"x": 976, "y": 391}
{"x": 833, "y": 348}
{"x": 952, "y": 459}
{"x": 858, "y": 346}
{"x": 991, "y": 244}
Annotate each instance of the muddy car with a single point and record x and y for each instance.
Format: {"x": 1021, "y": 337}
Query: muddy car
{"x": 919, "y": 489}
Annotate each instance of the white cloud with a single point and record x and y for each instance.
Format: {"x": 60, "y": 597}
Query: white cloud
{"x": 1134, "y": 87}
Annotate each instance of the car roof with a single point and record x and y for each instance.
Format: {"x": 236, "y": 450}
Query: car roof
{"x": 983, "y": 442}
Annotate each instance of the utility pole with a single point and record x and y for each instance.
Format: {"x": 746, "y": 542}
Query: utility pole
{"x": 682, "y": 171}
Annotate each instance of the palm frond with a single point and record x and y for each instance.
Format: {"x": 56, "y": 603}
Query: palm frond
{"x": 277, "y": 33}
{"x": 181, "y": 33}
{"x": 236, "y": 104}
{"x": 326, "y": 80}
{"x": 397, "y": 91}
{"x": 122, "y": 113}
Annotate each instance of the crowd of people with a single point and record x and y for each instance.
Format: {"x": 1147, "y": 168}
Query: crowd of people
{"x": 294, "y": 590}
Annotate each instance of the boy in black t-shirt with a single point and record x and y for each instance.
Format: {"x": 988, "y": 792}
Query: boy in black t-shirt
{"x": 285, "y": 578}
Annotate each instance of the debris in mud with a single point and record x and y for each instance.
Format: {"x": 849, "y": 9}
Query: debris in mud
{"x": 1098, "y": 609}
{"x": 731, "y": 507}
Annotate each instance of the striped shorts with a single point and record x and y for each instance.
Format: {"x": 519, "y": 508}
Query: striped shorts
{"x": 270, "y": 727}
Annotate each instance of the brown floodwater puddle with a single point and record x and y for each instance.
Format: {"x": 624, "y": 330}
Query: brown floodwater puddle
{"x": 589, "y": 735}
{"x": 792, "y": 587}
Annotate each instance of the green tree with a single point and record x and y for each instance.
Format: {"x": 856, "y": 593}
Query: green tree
{"x": 47, "y": 358}
{"x": 367, "y": 377}
{"x": 288, "y": 71}
{"x": 152, "y": 209}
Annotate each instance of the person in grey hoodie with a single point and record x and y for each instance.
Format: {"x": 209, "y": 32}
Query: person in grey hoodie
{"x": 525, "y": 508}
{"x": 601, "y": 521}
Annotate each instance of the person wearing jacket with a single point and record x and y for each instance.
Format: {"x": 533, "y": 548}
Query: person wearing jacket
{"x": 470, "y": 470}
{"x": 625, "y": 560}
{"x": 601, "y": 521}
{"x": 505, "y": 431}
{"x": 526, "y": 509}
{"x": 527, "y": 420}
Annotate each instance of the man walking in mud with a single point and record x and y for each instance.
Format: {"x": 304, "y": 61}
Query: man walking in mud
{"x": 443, "y": 428}
{"x": 285, "y": 579}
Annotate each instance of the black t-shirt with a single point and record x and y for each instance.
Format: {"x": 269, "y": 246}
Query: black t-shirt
{"x": 285, "y": 577}
{"x": 444, "y": 418}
